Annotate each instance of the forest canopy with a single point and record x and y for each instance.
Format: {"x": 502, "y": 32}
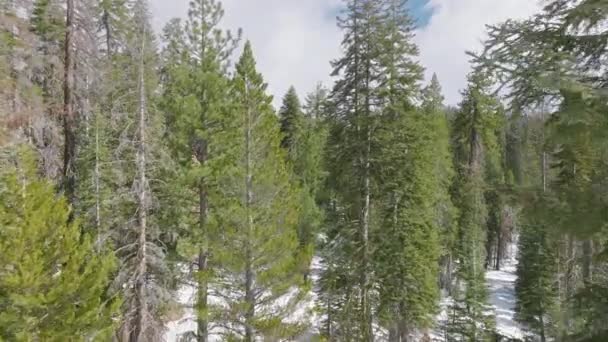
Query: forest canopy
{"x": 151, "y": 191}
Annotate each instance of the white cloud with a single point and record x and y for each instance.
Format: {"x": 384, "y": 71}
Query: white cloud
{"x": 458, "y": 26}
{"x": 294, "y": 40}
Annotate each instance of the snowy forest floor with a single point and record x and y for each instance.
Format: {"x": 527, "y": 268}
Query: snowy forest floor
{"x": 501, "y": 290}
{"x": 501, "y": 285}
{"x": 501, "y": 296}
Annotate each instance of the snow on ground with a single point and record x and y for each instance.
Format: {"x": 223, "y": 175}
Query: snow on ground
{"x": 501, "y": 288}
{"x": 303, "y": 311}
{"x": 439, "y": 333}
{"x": 501, "y": 292}
{"x": 187, "y": 322}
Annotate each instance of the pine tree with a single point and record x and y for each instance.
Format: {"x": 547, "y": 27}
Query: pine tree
{"x": 407, "y": 255}
{"x": 351, "y": 151}
{"x": 446, "y": 213}
{"x": 196, "y": 101}
{"x": 53, "y": 284}
{"x": 291, "y": 117}
{"x": 113, "y": 15}
{"x": 119, "y": 162}
{"x": 303, "y": 140}
{"x": 258, "y": 216}
{"x": 475, "y": 139}
{"x": 556, "y": 55}
{"x": 373, "y": 100}
{"x": 536, "y": 274}
{"x": 407, "y": 244}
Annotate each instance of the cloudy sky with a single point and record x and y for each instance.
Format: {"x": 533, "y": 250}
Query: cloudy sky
{"x": 294, "y": 40}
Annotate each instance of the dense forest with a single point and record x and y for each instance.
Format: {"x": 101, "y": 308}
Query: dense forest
{"x": 137, "y": 170}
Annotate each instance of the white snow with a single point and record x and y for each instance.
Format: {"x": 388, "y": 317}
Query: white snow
{"x": 501, "y": 288}
{"x": 175, "y": 329}
{"x": 303, "y": 311}
{"x": 501, "y": 293}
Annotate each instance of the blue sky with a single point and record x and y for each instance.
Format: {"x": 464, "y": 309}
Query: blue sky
{"x": 421, "y": 12}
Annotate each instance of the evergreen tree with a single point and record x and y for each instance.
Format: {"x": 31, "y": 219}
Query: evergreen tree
{"x": 53, "y": 284}
{"x": 406, "y": 244}
{"x": 536, "y": 274}
{"x": 96, "y": 185}
{"x": 556, "y": 55}
{"x": 291, "y": 117}
{"x": 475, "y": 139}
{"x": 258, "y": 216}
{"x": 103, "y": 122}
{"x": 446, "y": 213}
{"x": 121, "y": 157}
{"x": 407, "y": 255}
{"x": 196, "y": 102}
{"x": 112, "y": 18}
{"x": 303, "y": 139}
{"x": 373, "y": 100}
{"x": 47, "y": 23}
{"x": 18, "y": 94}
{"x": 352, "y": 145}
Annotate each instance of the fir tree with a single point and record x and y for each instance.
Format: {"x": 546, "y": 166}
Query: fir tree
{"x": 120, "y": 160}
{"x": 554, "y": 56}
{"x": 407, "y": 255}
{"x": 291, "y": 117}
{"x": 377, "y": 89}
{"x": 303, "y": 139}
{"x": 53, "y": 284}
{"x": 113, "y": 18}
{"x": 446, "y": 213}
{"x": 536, "y": 274}
{"x": 258, "y": 216}
{"x": 408, "y": 181}
{"x": 474, "y": 134}
{"x": 351, "y": 150}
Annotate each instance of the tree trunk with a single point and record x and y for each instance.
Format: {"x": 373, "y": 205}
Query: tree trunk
{"x": 475, "y": 154}
{"x": 69, "y": 117}
{"x": 450, "y": 272}
{"x": 368, "y": 334}
{"x": 97, "y": 186}
{"x": 587, "y": 261}
{"x": 364, "y": 281}
{"x": 393, "y": 333}
{"x": 203, "y": 283}
{"x": 105, "y": 20}
{"x": 567, "y": 283}
{"x": 543, "y": 338}
{"x": 249, "y": 291}
{"x": 404, "y": 332}
{"x": 328, "y": 330}
{"x": 142, "y": 269}
{"x": 499, "y": 251}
